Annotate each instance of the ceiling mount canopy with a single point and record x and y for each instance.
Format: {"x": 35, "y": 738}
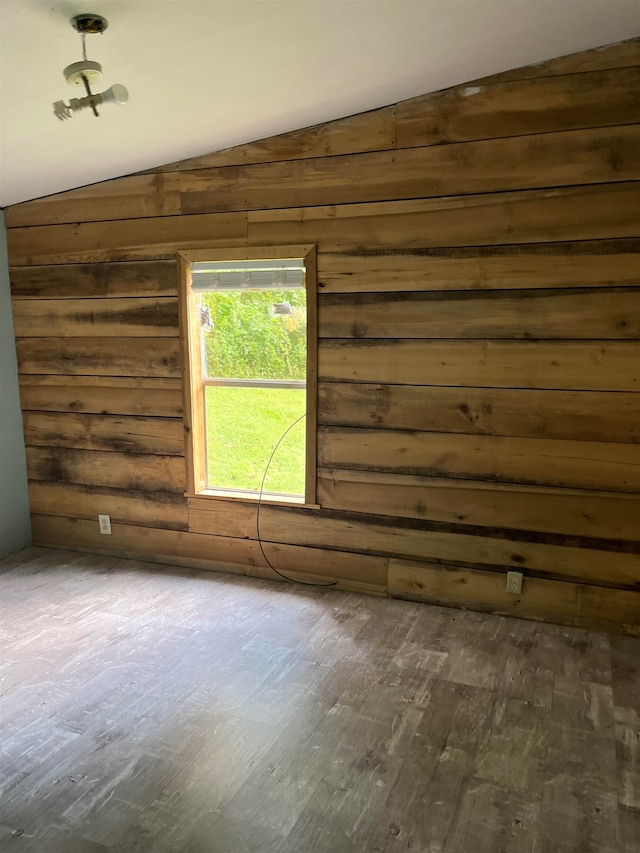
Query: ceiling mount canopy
{"x": 86, "y": 71}
{"x": 87, "y": 23}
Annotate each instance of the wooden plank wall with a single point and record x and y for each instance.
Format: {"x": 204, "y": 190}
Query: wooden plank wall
{"x": 479, "y": 405}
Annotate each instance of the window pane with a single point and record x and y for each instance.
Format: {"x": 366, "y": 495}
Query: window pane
{"x": 255, "y": 335}
{"x": 243, "y": 427}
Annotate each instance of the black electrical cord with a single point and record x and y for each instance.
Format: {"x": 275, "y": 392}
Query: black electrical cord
{"x": 264, "y": 477}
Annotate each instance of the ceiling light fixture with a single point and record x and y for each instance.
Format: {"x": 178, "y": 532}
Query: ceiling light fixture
{"x": 86, "y": 72}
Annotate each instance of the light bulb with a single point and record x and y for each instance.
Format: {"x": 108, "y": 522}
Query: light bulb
{"x": 116, "y": 94}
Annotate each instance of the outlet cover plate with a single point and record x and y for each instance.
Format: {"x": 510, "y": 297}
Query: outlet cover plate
{"x": 514, "y": 582}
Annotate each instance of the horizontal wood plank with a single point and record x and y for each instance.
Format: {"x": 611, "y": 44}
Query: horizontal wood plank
{"x": 153, "y": 544}
{"x": 574, "y": 604}
{"x": 618, "y": 55}
{"x": 162, "y": 436}
{"x": 411, "y": 539}
{"x": 577, "y": 415}
{"x": 361, "y": 573}
{"x": 534, "y": 461}
{"x": 348, "y": 571}
{"x": 516, "y": 217}
{"x": 100, "y": 356}
{"x": 590, "y": 264}
{"x": 549, "y": 160}
{"x": 570, "y": 512}
{"x": 545, "y": 314}
{"x": 127, "y": 471}
{"x": 490, "y": 111}
{"x": 528, "y": 216}
{"x": 107, "y": 395}
{"x": 124, "y": 239}
{"x": 134, "y": 317}
{"x": 571, "y": 365}
{"x": 149, "y": 509}
{"x": 134, "y": 196}
{"x": 82, "y": 281}
{"x": 370, "y": 131}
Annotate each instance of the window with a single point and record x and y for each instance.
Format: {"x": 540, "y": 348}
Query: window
{"x": 248, "y": 320}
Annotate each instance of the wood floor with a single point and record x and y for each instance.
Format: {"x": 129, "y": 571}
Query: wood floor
{"x": 159, "y": 710}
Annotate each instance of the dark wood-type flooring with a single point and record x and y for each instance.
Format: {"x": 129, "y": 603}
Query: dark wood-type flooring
{"x": 172, "y": 711}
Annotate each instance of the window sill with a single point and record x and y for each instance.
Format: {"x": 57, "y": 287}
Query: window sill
{"x": 252, "y": 498}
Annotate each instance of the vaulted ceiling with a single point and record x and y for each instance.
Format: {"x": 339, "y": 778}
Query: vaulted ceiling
{"x": 209, "y": 74}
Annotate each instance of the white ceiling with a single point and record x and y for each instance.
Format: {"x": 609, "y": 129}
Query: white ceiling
{"x": 209, "y": 74}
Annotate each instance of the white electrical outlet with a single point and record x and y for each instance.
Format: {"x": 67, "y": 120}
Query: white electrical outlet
{"x": 105, "y": 524}
{"x": 514, "y": 582}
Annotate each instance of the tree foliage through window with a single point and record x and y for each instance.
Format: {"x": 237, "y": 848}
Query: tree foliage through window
{"x": 246, "y": 342}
